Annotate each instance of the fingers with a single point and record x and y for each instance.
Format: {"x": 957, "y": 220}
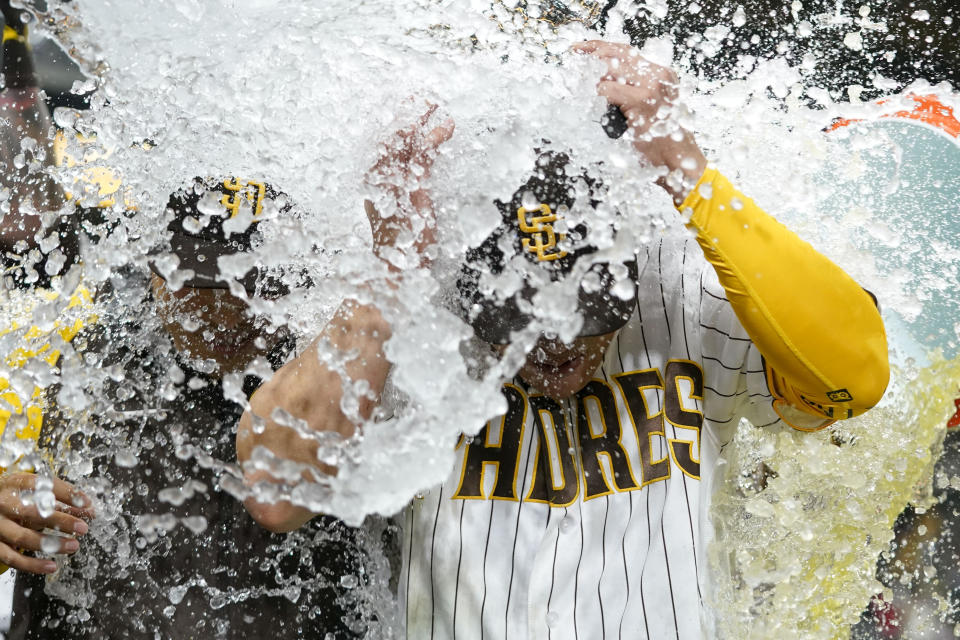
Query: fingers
{"x": 602, "y": 48}
{"x": 625, "y": 63}
{"x": 411, "y": 137}
{"x": 58, "y": 520}
{"x": 74, "y": 498}
{"x": 440, "y": 134}
{"x": 67, "y": 517}
{"x": 422, "y": 121}
{"x": 29, "y": 516}
{"x": 410, "y": 152}
{"x": 20, "y": 562}
{"x": 635, "y": 103}
{"x": 84, "y": 514}
{"x": 17, "y": 537}
{"x": 621, "y": 59}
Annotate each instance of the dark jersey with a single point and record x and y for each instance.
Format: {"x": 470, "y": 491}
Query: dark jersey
{"x": 171, "y": 554}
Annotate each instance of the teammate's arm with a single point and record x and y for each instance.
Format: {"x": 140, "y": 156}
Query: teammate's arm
{"x": 310, "y": 390}
{"x": 820, "y": 333}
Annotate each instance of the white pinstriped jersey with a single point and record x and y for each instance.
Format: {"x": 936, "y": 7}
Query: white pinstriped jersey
{"x": 587, "y": 518}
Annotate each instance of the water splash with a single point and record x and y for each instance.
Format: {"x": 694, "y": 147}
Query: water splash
{"x": 303, "y": 99}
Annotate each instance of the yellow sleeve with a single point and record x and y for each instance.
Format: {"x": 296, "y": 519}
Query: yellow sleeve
{"x": 820, "y": 333}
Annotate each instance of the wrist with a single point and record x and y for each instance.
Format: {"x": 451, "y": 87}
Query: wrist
{"x": 684, "y": 167}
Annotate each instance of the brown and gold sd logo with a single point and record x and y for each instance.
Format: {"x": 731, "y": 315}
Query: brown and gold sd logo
{"x": 544, "y": 239}
{"x": 253, "y": 191}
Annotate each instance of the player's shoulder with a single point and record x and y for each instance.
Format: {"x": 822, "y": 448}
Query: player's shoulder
{"x": 676, "y": 261}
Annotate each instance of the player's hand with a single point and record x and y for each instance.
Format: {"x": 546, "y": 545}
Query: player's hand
{"x": 404, "y": 165}
{"x": 647, "y": 94}
{"x": 22, "y": 525}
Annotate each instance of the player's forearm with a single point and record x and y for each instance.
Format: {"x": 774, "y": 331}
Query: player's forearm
{"x": 819, "y": 331}
{"x": 312, "y": 391}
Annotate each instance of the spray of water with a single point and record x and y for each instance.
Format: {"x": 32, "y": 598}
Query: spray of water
{"x": 304, "y": 98}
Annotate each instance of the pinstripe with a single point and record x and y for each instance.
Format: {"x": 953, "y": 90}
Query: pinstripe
{"x": 666, "y": 560}
{"x": 643, "y": 338}
{"x": 724, "y": 333}
{"x": 686, "y": 345}
{"x": 715, "y": 296}
{"x": 769, "y": 424}
{"x": 576, "y": 580}
{"x": 486, "y": 549}
{"x": 663, "y": 298}
{"x": 412, "y": 531}
{"x": 643, "y": 602}
{"x": 433, "y": 581}
{"x": 663, "y": 534}
{"x": 718, "y": 361}
{"x": 623, "y": 537}
{"x": 683, "y": 294}
{"x": 456, "y": 588}
{"x": 576, "y": 576}
{"x": 553, "y": 579}
{"x": 603, "y": 565}
{"x": 626, "y": 572}
{"x": 724, "y": 395}
{"x": 513, "y": 547}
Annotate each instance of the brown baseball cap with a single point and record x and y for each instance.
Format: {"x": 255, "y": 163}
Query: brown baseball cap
{"x": 529, "y": 229}
{"x": 215, "y": 217}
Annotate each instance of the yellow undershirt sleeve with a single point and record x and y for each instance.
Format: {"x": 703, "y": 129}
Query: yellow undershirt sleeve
{"x": 820, "y": 333}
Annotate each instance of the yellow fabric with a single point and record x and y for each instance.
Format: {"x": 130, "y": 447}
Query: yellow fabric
{"x": 95, "y": 180}
{"x": 36, "y": 344}
{"x": 108, "y": 186}
{"x": 820, "y": 333}
{"x": 9, "y": 33}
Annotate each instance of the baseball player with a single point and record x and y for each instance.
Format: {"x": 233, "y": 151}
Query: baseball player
{"x": 581, "y": 512}
{"x": 210, "y": 572}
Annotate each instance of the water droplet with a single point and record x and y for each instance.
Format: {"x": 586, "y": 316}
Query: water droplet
{"x": 739, "y": 17}
{"x": 192, "y": 225}
{"x": 50, "y": 544}
{"x": 529, "y": 201}
{"x": 196, "y": 524}
{"x": 853, "y": 41}
{"x": 176, "y": 594}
